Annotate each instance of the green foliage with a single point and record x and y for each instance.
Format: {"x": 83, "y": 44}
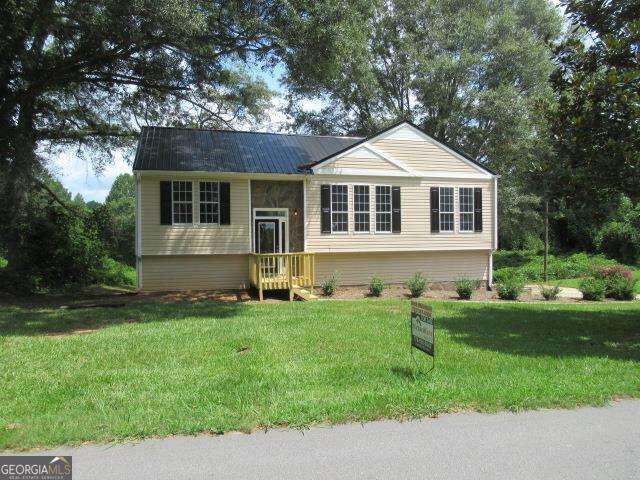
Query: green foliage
{"x": 619, "y": 238}
{"x": 114, "y": 273}
{"x": 465, "y": 288}
{"x": 618, "y": 281}
{"x": 330, "y": 285}
{"x": 592, "y": 289}
{"x": 376, "y": 286}
{"x": 59, "y": 248}
{"x": 510, "y": 285}
{"x": 550, "y": 292}
{"x": 531, "y": 266}
{"x": 417, "y": 285}
{"x": 3, "y": 262}
{"x": 117, "y": 219}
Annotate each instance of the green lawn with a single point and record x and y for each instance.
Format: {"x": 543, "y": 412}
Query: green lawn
{"x": 187, "y": 367}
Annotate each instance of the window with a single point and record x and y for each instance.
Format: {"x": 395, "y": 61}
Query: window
{"x": 361, "y": 208}
{"x": 339, "y": 208}
{"x": 446, "y": 209}
{"x": 383, "y": 209}
{"x": 182, "y": 205}
{"x": 209, "y": 202}
{"x": 466, "y": 209}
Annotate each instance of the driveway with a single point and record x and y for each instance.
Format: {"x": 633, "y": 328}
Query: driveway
{"x": 585, "y": 443}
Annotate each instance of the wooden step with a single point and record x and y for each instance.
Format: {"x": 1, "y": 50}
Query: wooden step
{"x": 304, "y": 294}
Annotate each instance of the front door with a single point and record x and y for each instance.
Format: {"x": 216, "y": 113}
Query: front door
{"x": 268, "y": 233}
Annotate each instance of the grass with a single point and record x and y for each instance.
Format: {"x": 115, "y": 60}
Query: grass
{"x": 187, "y": 367}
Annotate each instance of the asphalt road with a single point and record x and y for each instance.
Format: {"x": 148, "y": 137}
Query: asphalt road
{"x": 585, "y": 443}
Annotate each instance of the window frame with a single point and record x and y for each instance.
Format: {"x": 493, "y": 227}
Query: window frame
{"x": 389, "y": 212}
{"x": 184, "y": 202}
{"x": 366, "y": 212}
{"x": 452, "y": 212}
{"x": 200, "y": 202}
{"x": 470, "y": 212}
{"x": 332, "y": 211}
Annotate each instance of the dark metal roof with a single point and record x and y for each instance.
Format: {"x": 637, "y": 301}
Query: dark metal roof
{"x": 185, "y": 149}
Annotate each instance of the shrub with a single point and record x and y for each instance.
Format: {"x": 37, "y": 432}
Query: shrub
{"x": 117, "y": 274}
{"x": 592, "y": 289}
{"x": 465, "y": 287}
{"x": 619, "y": 238}
{"x": 618, "y": 281}
{"x": 417, "y": 284}
{"x": 510, "y": 287}
{"x": 550, "y": 292}
{"x": 376, "y": 286}
{"x": 331, "y": 284}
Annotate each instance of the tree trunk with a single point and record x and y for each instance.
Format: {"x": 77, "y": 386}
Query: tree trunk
{"x": 546, "y": 241}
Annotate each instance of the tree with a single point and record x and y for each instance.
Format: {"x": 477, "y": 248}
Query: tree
{"x": 596, "y": 125}
{"x": 117, "y": 219}
{"x": 85, "y": 73}
{"x": 474, "y": 75}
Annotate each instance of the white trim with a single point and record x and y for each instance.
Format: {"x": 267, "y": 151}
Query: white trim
{"x": 378, "y": 153}
{"x": 284, "y": 247}
{"x": 339, "y": 232}
{"x": 435, "y": 142}
{"x": 453, "y": 212}
{"x": 472, "y": 212}
{"x": 362, "y": 172}
{"x": 495, "y": 213}
{"x": 304, "y": 214}
{"x": 138, "y": 231}
{"x": 250, "y": 249}
{"x": 193, "y": 214}
{"x": 490, "y": 273}
{"x": 199, "y": 202}
{"x": 375, "y": 194}
{"x": 353, "y": 189}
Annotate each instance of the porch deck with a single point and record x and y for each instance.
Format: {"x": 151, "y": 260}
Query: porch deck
{"x": 282, "y": 271}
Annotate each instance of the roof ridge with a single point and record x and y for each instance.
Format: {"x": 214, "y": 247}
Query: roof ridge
{"x": 249, "y": 131}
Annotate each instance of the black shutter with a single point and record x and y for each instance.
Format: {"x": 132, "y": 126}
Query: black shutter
{"x": 395, "y": 210}
{"x": 165, "y": 203}
{"x": 225, "y": 203}
{"x": 325, "y": 208}
{"x": 435, "y": 209}
{"x": 477, "y": 209}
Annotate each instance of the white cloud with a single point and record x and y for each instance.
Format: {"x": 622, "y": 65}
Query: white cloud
{"x": 78, "y": 176}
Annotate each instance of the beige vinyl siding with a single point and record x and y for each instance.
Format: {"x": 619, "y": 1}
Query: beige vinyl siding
{"x": 415, "y": 212}
{"x": 194, "y": 272}
{"x": 368, "y": 163}
{"x": 424, "y": 156}
{"x": 196, "y": 238}
{"x": 358, "y": 268}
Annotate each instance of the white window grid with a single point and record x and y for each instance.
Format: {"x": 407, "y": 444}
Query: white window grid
{"x": 361, "y": 208}
{"x": 209, "y": 202}
{"x": 182, "y": 202}
{"x": 446, "y": 209}
{"x": 339, "y": 208}
{"x": 383, "y": 208}
{"x": 465, "y": 201}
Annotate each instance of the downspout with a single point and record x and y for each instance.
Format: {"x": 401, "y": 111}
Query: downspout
{"x": 494, "y": 244}
{"x": 138, "y": 233}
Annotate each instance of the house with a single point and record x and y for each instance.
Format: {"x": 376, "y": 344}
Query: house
{"x": 227, "y": 210}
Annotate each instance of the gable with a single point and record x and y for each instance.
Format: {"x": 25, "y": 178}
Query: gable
{"x": 423, "y": 154}
{"x": 361, "y": 160}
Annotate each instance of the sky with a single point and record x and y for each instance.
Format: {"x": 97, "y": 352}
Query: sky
{"x": 77, "y": 175}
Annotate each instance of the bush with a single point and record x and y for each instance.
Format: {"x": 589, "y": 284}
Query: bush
{"x": 618, "y": 282}
{"x": 550, "y": 292}
{"x": 465, "y": 287}
{"x": 592, "y": 289}
{"x": 531, "y": 266}
{"x": 330, "y": 285}
{"x": 619, "y": 238}
{"x": 510, "y": 287}
{"x": 417, "y": 284}
{"x": 117, "y": 274}
{"x": 376, "y": 286}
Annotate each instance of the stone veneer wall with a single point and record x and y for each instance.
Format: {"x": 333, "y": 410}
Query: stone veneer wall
{"x": 274, "y": 194}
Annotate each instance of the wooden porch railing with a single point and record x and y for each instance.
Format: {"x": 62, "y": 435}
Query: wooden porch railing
{"x": 281, "y": 271}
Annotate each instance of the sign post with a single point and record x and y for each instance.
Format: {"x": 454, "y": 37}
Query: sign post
{"x": 422, "y": 330}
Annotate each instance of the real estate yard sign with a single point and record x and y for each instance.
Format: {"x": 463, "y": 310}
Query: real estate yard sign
{"x": 422, "y": 327}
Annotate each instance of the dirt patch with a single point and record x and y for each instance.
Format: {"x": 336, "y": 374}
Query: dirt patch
{"x": 439, "y": 291}
{"x": 79, "y": 331}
